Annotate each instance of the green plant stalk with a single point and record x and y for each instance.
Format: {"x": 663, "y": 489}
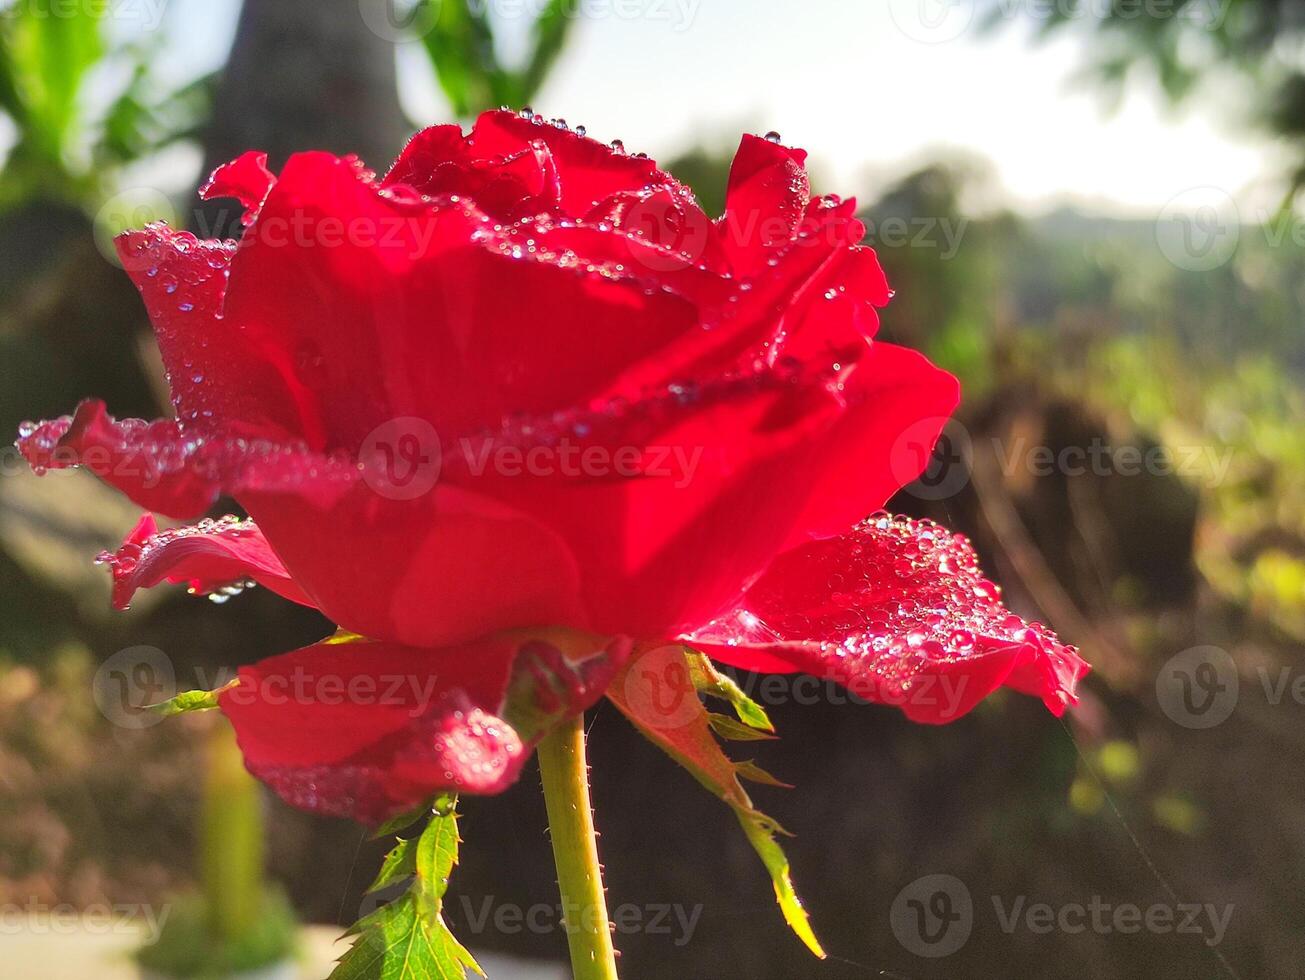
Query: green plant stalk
{"x": 575, "y": 851}
{"x": 231, "y": 840}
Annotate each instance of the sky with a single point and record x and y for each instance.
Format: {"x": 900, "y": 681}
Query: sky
{"x": 869, "y": 87}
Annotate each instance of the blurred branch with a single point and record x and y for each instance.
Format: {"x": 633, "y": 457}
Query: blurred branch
{"x": 1108, "y": 653}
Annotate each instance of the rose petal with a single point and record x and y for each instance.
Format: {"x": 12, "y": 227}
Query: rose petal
{"x": 245, "y": 178}
{"x": 589, "y": 170}
{"x": 362, "y": 729}
{"x": 218, "y": 380}
{"x": 895, "y": 405}
{"x": 440, "y": 567}
{"x": 647, "y": 518}
{"x": 163, "y": 469}
{"x": 897, "y": 611}
{"x": 210, "y": 557}
{"x": 767, "y": 197}
{"x": 674, "y": 501}
{"x": 767, "y": 313}
{"x": 440, "y": 160}
{"x": 385, "y": 309}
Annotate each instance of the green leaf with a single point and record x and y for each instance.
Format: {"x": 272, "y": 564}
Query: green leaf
{"x": 685, "y": 734}
{"x": 48, "y": 53}
{"x": 408, "y": 939}
{"x": 708, "y": 680}
{"x": 735, "y": 731}
{"x": 751, "y": 771}
{"x": 139, "y": 122}
{"x": 188, "y": 701}
{"x": 460, "y": 44}
{"x": 402, "y": 822}
{"x": 550, "y": 34}
{"x": 399, "y": 863}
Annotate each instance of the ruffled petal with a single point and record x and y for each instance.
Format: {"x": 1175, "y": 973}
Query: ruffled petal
{"x": 898, "y": 611}
{"x": 383, "y": 308}
{"x": 645, "y": 517}
{"x": 766, "y": 313}
{"x": 674, "y": 232}
{"x": 669, "y": 503}
{"x": 172, "y": 472}
{"x": 212, "y": 557}
{"x": 895, "y": 404}
{"x": 218, "y": 380}
{"x": 589, "y": 170}
{"x": 440, "y": 160}
{"x": 245, "y": 178}
{"x": 440, "y": 567}
{"x": 516, "y": 164}
{"x": 356, "y": 728}
{"x": 767, "y": 198}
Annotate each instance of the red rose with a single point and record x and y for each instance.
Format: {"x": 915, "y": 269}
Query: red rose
{"x": 522, "y": 381}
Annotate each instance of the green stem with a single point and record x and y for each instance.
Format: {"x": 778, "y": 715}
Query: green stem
{"x": 231, "y": 840}
{"x": 575, "y": 851}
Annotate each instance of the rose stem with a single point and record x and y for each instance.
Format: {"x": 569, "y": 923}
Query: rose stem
{"x": 575, "y": 851}
{"x": 231, "y": 840}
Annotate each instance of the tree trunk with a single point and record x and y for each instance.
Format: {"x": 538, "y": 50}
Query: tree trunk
{"x": 303, "y": 74}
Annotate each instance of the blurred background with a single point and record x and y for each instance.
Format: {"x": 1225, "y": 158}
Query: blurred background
{"x": 1088, "y": 210}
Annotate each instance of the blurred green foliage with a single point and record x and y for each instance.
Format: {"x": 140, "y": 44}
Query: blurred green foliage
{"x": 1192, "y": 48}
{"x": 53, "y": 58}
{"x": 458, "y": 35}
